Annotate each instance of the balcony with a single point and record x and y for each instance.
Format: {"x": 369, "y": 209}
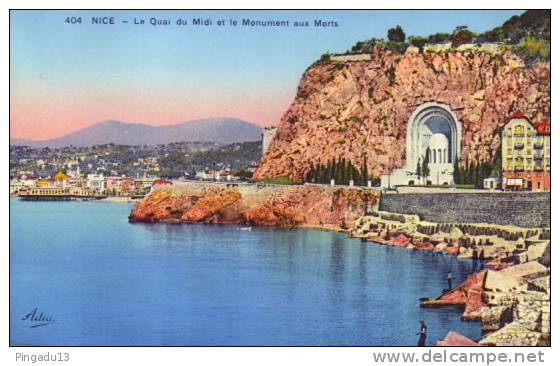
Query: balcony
{"x": 518, "y": 145}
{"x": 519, "y": 168}
{"x": 538, "y": 146}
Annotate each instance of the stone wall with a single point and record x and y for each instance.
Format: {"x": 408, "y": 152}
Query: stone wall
{"x": 351, "y": 57}
{"x": 502, "y": 208}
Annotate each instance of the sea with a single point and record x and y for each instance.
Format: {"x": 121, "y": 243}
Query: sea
{"x": 82, "y": 275}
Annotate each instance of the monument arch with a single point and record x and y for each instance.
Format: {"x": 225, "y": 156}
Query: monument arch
{"x": 426, "y": 122}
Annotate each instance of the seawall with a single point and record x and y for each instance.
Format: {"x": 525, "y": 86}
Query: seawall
{"x": 524, "y": 209}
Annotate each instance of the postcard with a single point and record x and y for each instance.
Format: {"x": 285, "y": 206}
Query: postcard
{"x": 280, "y": 178}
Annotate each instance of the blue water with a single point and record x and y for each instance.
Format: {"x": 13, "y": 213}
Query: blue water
{"x": 107, "y": 282}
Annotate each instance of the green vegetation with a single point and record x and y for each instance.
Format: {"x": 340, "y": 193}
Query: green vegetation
{"x": 426, "y": 164}
{"x": 474, "y": 173}
{"x": 244, "y": 174}
{"x": 281, "y": 179}
{"x": 461, "y": 36}
{"x": 465, "y": 186}
{"x": 532, "y": 49}
{"x": 342, "y": 171}
{"x": 532, "y": 23}
{"x": 396, "y": 34}
{"x": 238, "y": 156}
{"x": 528, "y": 35}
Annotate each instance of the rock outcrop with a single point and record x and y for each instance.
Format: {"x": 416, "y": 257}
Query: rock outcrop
{"x": 467, "y": 294}
{"x": 307, "y": 205}
{"x": 348, "y": 109}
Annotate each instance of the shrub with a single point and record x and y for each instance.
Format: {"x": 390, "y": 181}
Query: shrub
{"x": 532, "y": 49}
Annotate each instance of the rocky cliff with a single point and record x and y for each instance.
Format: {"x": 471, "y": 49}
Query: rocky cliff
{"x": 348, "y": 109}
{"x": 283, "y": 206}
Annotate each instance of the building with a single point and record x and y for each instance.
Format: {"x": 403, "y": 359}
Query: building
{"x": 525, "y": 154}
{"x": 493, "y": 182}
{"x": 60, "y": 179}
{"x": 267, "y": 136}
{"x": 96, "y": 182}
{"x": 217, "y": 175}
{"x": 143, "y": 184}
{"x": 434, "y": 130}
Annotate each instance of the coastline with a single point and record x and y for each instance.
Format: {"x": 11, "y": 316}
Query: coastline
{"x": 512, "y": 257}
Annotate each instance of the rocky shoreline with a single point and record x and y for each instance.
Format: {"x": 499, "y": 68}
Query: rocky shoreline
{"x": 287, "y": 206}
{"x": 511, "y": 296}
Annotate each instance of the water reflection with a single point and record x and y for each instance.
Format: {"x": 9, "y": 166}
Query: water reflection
{"x": 215, "y": 285}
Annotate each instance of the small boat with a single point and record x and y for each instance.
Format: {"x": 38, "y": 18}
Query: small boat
{"x": 244, "y": 228}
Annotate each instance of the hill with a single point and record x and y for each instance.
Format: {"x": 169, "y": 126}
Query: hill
{"x": 220, "y": 130}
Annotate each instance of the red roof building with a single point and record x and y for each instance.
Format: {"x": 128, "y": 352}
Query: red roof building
{"x": 518, "y": 114}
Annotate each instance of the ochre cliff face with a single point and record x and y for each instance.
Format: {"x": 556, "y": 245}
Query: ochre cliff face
{"x": 348, "y": 109}
{"x": 294, "y": 206}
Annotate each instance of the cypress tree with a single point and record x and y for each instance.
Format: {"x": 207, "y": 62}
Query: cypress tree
{"x": 333, "y": 170}
{"x": 355, "y": 175}
{"x": 309, "y": 175}
{"x": 343, "y": 171}
{"x": 425, "y": 165}
{"x": 456, "y": 173}
{"x": 348, "y": 171}
{"x": 339, "y": 171}
{"x": 364, "y": 172}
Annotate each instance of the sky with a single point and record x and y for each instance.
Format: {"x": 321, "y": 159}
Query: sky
{"x": 64, "y": 77}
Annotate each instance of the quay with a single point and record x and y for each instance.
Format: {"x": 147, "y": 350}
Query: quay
{"x": 57, "y": 194}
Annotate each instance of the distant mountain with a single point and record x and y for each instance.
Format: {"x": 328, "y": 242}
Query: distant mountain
{"x": 221, "y": 130}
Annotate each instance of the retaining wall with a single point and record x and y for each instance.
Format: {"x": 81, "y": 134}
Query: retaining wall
{"x": 524, "y": 209}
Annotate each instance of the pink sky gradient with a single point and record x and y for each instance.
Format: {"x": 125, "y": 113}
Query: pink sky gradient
{"x": 40, "y": 114}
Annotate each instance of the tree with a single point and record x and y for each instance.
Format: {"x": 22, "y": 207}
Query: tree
{"x": 364, "y": 172}
{"x": 418, "y": 169}
{"x": 332, "y": 173}
{"x": 309, "y": 175}
{"x": 461, "y": 36}
{"x": 316, "y": 174}
{"x": 343, "y": 171}
{"x": 396, "y": 34}
{"x": 425, "y": 165}
{"x": 456, "y": 171}
{"x": 418, "y": 41}
{"x": 438, "y": 37}
{"x": 348, "y": 172}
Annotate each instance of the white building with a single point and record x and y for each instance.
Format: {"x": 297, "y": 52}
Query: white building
{"x": 96, "y": 182}
{"x": 432, "y": 129}
{"x": 492, "y": 183}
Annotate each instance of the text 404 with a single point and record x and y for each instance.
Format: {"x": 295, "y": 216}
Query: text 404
{"x": 73, "y": 20}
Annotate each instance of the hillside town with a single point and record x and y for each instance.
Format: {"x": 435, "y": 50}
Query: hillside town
{"x": 116, "y": 170}
{"x": 112, "y": 170}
